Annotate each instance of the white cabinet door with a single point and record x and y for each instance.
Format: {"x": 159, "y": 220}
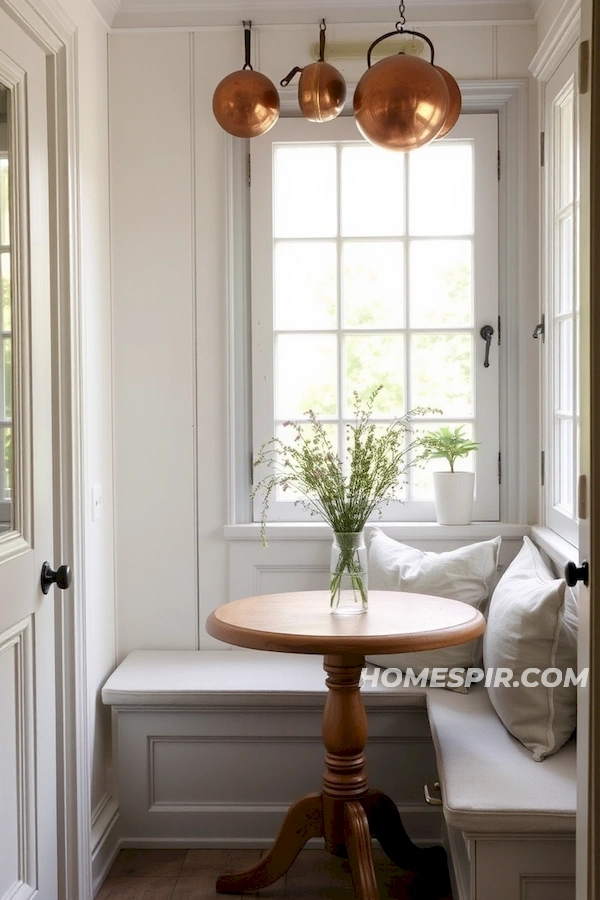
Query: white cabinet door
{"x": 28, "y": 830}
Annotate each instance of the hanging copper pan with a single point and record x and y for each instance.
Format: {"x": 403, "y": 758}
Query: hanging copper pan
{"x": 455, "y": 104}
{"x": 246, "y": 103}
{"x": 321, "y": 89}
{"x": 401, "y": 102}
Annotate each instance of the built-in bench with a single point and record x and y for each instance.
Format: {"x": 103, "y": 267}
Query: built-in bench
{"x": 509, "y": 821}
{"x": 211, "y": 748}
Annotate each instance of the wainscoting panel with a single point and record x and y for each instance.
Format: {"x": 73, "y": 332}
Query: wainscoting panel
{"x": 18, "y": 850}
{"x": 204, "y": 777}
{"x": 303, "y": 564}
{"x": 526, "y": 869}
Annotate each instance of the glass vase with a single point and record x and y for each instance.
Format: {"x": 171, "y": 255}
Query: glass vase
{"x": 348, "y": 582}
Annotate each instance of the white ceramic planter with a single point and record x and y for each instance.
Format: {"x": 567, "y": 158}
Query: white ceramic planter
{"x": 454, "y": 497}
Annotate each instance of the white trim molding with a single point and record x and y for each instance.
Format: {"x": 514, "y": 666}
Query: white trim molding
{"x": 105, "y": 839}
{"x": 211, "y": 13}
{"x": 565, "y": 30}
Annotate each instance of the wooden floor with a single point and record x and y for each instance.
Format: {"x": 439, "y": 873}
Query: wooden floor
{"x": 191, "y": 875}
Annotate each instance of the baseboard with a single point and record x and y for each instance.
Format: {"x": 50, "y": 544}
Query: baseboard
{"x": 224, "y": 844}
{"x": 247, "y": 826}
{"x": 105, "y": 839}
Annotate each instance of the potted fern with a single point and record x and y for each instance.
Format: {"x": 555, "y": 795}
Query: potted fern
{"x": 453, "y": 490}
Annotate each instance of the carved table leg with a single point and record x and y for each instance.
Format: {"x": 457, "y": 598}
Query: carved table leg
{"x": 304, "y": 820}
{"x": 344, "y": 736}
{"x": 346, "y": 813}
{"x": 430, "y": 862}
{"x": 358, "y": 843}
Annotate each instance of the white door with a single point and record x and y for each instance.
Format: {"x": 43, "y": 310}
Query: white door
{"x": 588, "y": 788}
{"x": 28, "y": 829}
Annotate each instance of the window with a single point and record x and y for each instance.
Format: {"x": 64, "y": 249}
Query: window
{"x": 6, "y": 339}
{"x": 371, "y": 267}
{"x": 561, "y": 288}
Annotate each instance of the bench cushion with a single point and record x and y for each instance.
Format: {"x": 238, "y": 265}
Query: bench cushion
{"x": 232, "y": 677}
{"x": 490, "y": 782}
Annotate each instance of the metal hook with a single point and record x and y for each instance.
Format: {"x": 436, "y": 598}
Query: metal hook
{"x": 323, "y": 29}
{"x": 247, "y": 39}
{"x": 401, "y": 10}
{"x": 390, "y": 34}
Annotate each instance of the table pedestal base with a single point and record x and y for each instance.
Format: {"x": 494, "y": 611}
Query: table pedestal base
{"x": 346, "y": 813}
{"x": 376, "y": 816}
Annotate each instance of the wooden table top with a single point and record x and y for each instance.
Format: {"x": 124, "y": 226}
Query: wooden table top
{"x": 301, "y": 622}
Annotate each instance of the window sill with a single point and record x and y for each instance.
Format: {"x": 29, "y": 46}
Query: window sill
{"x": 557, "y": 548}
{"x": 401, "y": 531}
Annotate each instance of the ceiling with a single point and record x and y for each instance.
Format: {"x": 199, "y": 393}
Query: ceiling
{"x": 198, "y": 13}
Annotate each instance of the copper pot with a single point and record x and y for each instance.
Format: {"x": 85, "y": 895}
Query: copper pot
{"x": 455, "y": 104}
{"x": 246, "y": 103}
{"x": 401, "y": 103}
{"x": 321, "y": 92}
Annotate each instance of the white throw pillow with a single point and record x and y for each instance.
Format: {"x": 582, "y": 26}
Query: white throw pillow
{"x": 467, "y": 574}
{"x": 532, "y": 622}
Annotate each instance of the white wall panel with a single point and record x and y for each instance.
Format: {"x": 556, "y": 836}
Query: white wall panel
{"x": 516, "y": 48}
{"x": 153, "y": 278}
{"x": 304, "y": 565}
{"x": 215, "y": 55}
{"x": 95, "y": 250}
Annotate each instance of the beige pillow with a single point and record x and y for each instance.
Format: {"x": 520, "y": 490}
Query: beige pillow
{"x": 532, "y": 623}
{"x": 467, "y": 574}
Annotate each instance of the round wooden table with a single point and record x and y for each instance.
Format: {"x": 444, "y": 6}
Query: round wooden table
{"x": 346, "y": 813}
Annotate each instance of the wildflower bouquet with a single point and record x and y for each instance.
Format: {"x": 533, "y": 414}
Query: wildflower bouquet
{"x": 345, "y": 496}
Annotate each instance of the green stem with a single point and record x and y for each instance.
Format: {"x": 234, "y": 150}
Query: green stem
{"x": 347, "y": 563}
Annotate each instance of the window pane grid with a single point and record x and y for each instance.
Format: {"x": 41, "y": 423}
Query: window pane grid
{"x": 400, "y": 353}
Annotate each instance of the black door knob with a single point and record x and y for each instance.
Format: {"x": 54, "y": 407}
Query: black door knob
{"x": 61, "y": 578}
{"x": 575, "y": 573}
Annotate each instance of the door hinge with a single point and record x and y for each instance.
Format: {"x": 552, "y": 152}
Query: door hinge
{"x": 499, "y": 166}
{"x": 541, "y": 329}
{"x": 543, "y": 467}
{"x": 249, "y": 171}
{"x": 499, "y": 330}
{"x": 500, "y": 468}
{"x": 584, "y": 67}
{"x": 542, "y": 148}
{"x": 582, "y": 497}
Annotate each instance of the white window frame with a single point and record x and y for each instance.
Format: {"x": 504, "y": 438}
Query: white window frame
{"x": 559, "y": 518}
{"x": 518, "y": 389}
{"x": 481, "y": 132}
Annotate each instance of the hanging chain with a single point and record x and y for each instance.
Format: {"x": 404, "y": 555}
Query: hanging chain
{"x": 402, "y": 22}
{"x": 247, "y": 38}
{"x": 323, "y": 29}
